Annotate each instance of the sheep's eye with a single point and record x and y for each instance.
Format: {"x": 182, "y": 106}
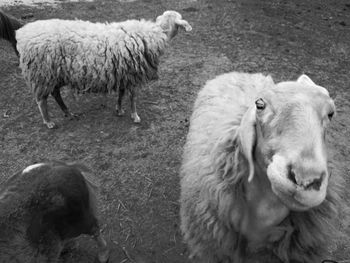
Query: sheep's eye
{"x": 260, "y": 104}
{"x": 330, "y": 115}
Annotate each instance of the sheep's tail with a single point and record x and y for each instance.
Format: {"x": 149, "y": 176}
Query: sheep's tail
{"x": 8, "y": 27}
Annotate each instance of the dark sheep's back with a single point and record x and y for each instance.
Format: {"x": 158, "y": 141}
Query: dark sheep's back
{"x": 43, "y": 207}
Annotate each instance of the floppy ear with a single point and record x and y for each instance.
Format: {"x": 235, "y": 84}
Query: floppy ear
{"x": 184, "y": 24}
{"x": 247, "y": 138}
{"x": 304, "y": 79}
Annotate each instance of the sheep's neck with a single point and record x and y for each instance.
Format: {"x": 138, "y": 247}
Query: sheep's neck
{"x": 263, "y": 212}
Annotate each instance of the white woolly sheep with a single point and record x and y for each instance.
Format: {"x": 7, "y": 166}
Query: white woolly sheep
{"x": 254, "y": 180}
{"x": 44, "y": 206}
{"x": 93, "y": 57}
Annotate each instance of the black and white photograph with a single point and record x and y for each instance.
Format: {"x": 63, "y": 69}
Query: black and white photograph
{"x": 174, "y": 131}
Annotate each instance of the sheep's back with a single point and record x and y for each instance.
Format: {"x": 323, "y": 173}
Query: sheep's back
{"x": 41, "y": 207}
{"x": 42, "y": 189}
{"x": 89, "y": 56}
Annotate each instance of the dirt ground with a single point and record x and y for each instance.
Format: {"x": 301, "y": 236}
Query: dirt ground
{"x": 138, "y": 165}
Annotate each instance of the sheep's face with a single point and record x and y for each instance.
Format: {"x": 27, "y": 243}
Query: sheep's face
{"x": 170, "y": 21}
{"x": 290, "y": 128}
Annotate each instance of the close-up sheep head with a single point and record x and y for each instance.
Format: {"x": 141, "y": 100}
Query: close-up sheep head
{"x": 283, "y": 137}
{"x": 170, "y": 21}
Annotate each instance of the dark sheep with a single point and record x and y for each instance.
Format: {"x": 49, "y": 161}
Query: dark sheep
{"x": 43, "y": 207}
{"x": 8, "y": 25}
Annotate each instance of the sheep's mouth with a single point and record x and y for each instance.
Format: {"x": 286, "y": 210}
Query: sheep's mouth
{"x": 289, "y": 201}
{"x": 295, "y": 197}
{"x": 298, "y": 192}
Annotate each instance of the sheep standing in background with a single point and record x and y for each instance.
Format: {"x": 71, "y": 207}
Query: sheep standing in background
{"x": 254, "y": 180}
{"x": 44, "y": 206}
{"x": 93, "y": 57}
{"x": 8, "y": 25}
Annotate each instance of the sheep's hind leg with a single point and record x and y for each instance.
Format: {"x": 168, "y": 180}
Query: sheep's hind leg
{"x": 103, "y": 251}
{"x": 134, "y": 114}
{"x": 119, "y": 109}
{"x": 42, "y": 104}
{"x": 58, "y": 98}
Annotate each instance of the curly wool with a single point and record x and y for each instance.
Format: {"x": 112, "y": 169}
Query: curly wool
{"x": 89, "y": 56}
{"x": 212, "y": 190}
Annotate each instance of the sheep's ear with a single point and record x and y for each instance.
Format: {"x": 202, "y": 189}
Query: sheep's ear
{"x": 159, "y": 20}
{"x": 247, "y": 138}
{"x": 304, "y": 79}
{"x": 184, "y": 24}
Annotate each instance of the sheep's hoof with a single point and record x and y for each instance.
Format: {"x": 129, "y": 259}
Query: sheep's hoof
{"x": 50, "y": 125}
{"x": 120, "y": 112}
{"x": 135, "y": 117}
{"x": 71, "y": 116}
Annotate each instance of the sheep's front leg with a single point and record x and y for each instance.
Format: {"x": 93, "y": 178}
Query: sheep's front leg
{"x": 119, "y": 109}
{"x": 133, "y": 97}
{"x": 103, "y": 251}
{"x": 58, "y": 98}
{"x": 42, "y": 104}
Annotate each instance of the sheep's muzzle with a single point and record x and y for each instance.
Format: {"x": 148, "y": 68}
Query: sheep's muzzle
{"x": 300, "y": 186}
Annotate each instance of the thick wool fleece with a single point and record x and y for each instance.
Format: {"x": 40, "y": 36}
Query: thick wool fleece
{"x": 88, "y": 56}
{"x": 212, "y": 193}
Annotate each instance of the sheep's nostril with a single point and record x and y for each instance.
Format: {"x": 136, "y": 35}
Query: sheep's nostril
{"x": 291, "y": 175}
{"x": 307, "y": 184}
{"x": 315, "y": 184}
